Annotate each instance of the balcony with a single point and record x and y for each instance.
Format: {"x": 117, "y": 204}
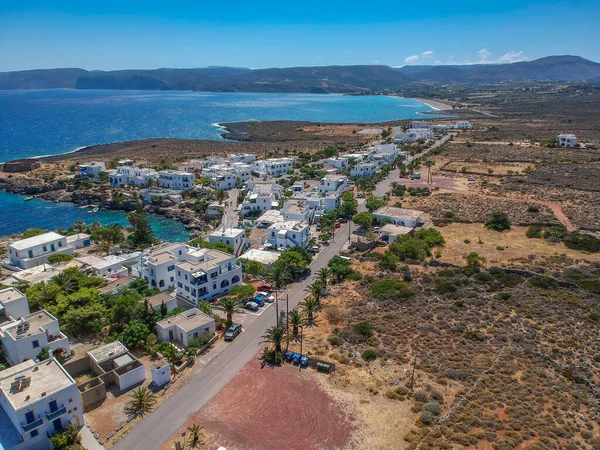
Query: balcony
{"x": 61, "y": 411}
{"x": 27, "y": 427}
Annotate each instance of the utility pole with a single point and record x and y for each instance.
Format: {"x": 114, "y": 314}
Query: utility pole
{"x": 276, "y": 307}
{"x": 412, "y": 380}
{"x": 301, "y": 337}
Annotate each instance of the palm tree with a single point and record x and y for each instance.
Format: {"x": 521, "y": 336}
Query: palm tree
{"x": 296, "y": 319}
{"x": 315, "y": 289}
{"x": 230, "y": 305}
{"x": 310, "y": 306}
{"x": 196, "y": 436}
{"x": 274, "y": 336}
{"x": 65, "y": 282}
{"x": 142, "y": 402}
{"x": 428, "y": 164}
{"x": 221, "y": 196}
{"x": 324, "y": 275}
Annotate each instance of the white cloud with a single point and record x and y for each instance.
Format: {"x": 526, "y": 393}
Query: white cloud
{"x": 414, "y": 59}
{"x": 512, "y": 57}
{"x": 411, "y": 59}
{"x": 484, "y": 55}
{"x": 426, "y": 55}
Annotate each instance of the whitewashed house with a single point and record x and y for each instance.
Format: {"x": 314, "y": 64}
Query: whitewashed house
{"x": 234, "y": 237}
{"x": 412, "y": 135}
{"x": 157, "y": 195}
{"x": 388, "y": 152}
{"x": 273, "y": 167}
{"x": 399, "y": 216}
{"x": 174, "y": 179}
{"x": 284, "y": 235}
{"x": 567, "y": 140}
{"x": 463, "y": 125}
{"x": 364, "y": 170}
{"x": 24, "y": 338}
{"x": 157, "y": 264}
{"x": 155, "y": 302}
{"x": 419, "y": 124}
{"x": 26, "y": 253}
{"x": 91, "y": 170}
{"x": 13, "y": 305}
{"x": 185, "y": 327}
{"x": 298, "y": 210}
{"x": 207, "y": 274}
{"x": 246, "y": 158}
{"x": 131, "y": 175}
{"x": 261, "y": 196}
{"x": 332, "y": 184}
{"x": 339, "y": 163}
{"x": 37, "y": 400}
{"x": 107, "y": 266}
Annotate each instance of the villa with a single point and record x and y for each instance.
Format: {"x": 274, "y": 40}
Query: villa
{"x": 175, "y": 179}
{"x": 156, "y": 265}
{"x": 567, "y": 140}
{"x": 332, "y": 184}
{"x": 185, "y": 327}
{"x": 91, "y": 170}
{"x": 284, "y": 235}
{"x": 130, "y": 175}
{"x": 410, "y": 218}
{"x": 364, "y": 170}
{"x": 234, "y": 237}
{"x": 26, "y": 253}
{"x": 273, "y": 167}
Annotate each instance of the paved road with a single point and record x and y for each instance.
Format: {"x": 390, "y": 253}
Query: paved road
{"x": 156, "y": 428}
{"x": 153, "y": 431}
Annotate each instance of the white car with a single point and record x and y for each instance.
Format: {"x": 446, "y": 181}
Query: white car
{"x": 268, "y": 297}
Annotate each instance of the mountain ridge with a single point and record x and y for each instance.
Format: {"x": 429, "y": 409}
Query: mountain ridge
{"x": 352, "y": 79}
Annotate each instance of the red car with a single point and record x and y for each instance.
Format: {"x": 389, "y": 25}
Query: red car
{"x": 337, "y": 224}
{"x": 264, "y": 287}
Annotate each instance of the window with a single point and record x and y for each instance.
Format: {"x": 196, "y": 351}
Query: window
{"x": 35, "y": 433}
{"x": 178, "y": 273}
{"x": 180, "y": 252}
{"x": 187, "y": 289}
{"x": 170, "y": 268}
{"x": 45, "y": 248}
{"x": 214, "y": 275}
{"x": 59, "y": 244}
{"x": 179, "y": 284}
{"x": 172, "y": 279}
{"x": 36, "y": 343}
{"x": 214, "y": 287}
{"x": 186, "y": 276}
{"x": 30, "y": 253}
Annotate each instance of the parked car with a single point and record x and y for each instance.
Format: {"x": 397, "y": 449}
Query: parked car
{"x": 337, "y": 224}
{"x": 342, "y": 220}
{"x": 264, "y": 288}
{"x": 471, "y": 178}
{"x": 251, "y": 306}
{"x": 233, "y": 331}
{"x": 260, "y": 301}
{"x": 268, "y": 297}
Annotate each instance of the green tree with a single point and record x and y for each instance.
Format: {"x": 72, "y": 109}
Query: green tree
{"x": 253, "y": 268}
{"x": 349, "y": 205}
{"x": 296, "y": 320}
{"x": 498, "y": 221}
{"x": 31, "y": 232}
{"x": 290, "y": 262}
{"x": 274, "y": 336}
{"x": 196, "y": 436}
{"x": 323, "y": 276}
{"x": 135, "y": 333}
{"x": 431, "y": 236}
{"x": 242, "y": 291}
{"x": 315, "y": 290}
{"x": 142, "y": 403}
{"x": 279, "y": 275}
{"x": 374, "y": 203}
{"x": 406, "y": 247}
{"x": 363, "y": 220}
{"x": 67, "y": 439}
{"x": 475, "y": 260}
{"x": 340, "y": 267}
{"x": 142, "y": 235}
{"x": 310, "y": 306}
{"x": 230, "y": 306}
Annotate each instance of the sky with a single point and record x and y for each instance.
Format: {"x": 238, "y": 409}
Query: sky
{"x": 109, "y": 34}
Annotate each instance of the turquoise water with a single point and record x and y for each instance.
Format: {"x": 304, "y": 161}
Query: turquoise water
{"x": 42, "y": 122}
{"x": 18, "y": 215}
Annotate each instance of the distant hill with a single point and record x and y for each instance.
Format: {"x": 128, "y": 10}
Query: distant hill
{"x": 340, "y": 79}
{"x": 551, "y": 68}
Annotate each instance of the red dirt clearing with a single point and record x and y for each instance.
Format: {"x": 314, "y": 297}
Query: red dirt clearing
{"x": 275, "y": 408}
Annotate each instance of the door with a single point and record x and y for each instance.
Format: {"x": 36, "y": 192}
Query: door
{"x": 29, "y": 417}
{"x": 57, "y": 425}
{"x": 52, "y": 247}
{"x": 53, "y": 406}
{"x": 170, "y": 335}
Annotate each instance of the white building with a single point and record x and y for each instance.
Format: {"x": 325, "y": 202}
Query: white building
{"x": 185, "y": 327}
{"x": 229, "y": 176}
{"x": 567, "y": 140}
{"x": 136, "y": 176}
{"x": 298, "y": 210}
{"x": 156, "y": 301}
{"x": 37, "y": 401}
{"x": 246, "y": 158}
{"x": 419, "y": 124}
{"x": 399, "y": 216}
{"x": 463, "y": 125}
{"x": 108, "y": 266}
{"x": 91, "y": 169}
{"x": 35, "y": 250}
{"x": 13, "y": 305}
{"x": 273, "y": 167}
{"x": 266, "y": 258}
{"x": 26, "y": 337}
{"x": 207, "y": 275}
{"x": 284, "y": 235}
{"x": 175, "y": 179}
{"x": 114, "y": 358}
{"x": 157, "y": 264}
{"x": 261, "y": 196}
{"x": 388, "y": 152}
{"x": 234, "y": 237}
{"x": 364, "y": 170}
{"x": 333, "y": 184}
{"x": 389, "y": 232}
{"x": 157, "y": 195}
{"x": 412, "y": 135}
{"x": 339, "y": 163}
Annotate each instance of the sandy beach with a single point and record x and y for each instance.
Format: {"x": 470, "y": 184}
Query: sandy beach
{"x": 437, "y": 104}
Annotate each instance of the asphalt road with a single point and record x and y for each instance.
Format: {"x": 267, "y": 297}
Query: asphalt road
{"x": 158, "y": 427}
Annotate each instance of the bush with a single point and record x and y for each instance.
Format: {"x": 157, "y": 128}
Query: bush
{"x": 498, "y": 221}
{"x": 534, "y": 232}
{"x": 433, "y": 407}
{"x": 369, "y": 355}
{"x": 335, "y": 314}
{"x": 59, "y": 258}
{"x": 446, "y": 287}
{"x": 273, "y": 357}
{"x": 533, "y": 208}
{"x": 431, "y": 236}
{"x": 544, "y": 282}
{"x": 427, "y": 418}
{"x": 437, "y": 396}
{"x": 335, "y": 341}
{"x": 484, "y": 277}
{"x": 503, "y": 295}
{"x": 390, "y": 289}
{"x": 421, "y": 396}
{"x": 582, "y": 242}
{"x": 32, "y": 232}
{"x": 594, "y": 317}
{"x": 364, "y": 328}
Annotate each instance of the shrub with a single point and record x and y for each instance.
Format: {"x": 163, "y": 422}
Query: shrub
{"x": 498, "y": 221}
{"x": 595, "y": 317}
{"x": 369, "y": 355}
{"x": 335, "y": 341}
{"x": 534, "y": 232}
{"x": 335, "y": 314}
{"x": 431, "y": 236}
{"x": 445, "y": 287}
{"x": 364, "y": 328}
{"x": 483, "y": 277}
{"x": 437, "y": 396}
{"x": 421, "y": 396}
{"x": 474, "y": 260}
{"x": 433, "y": 407}
{"x": 32, "y": 232}
{"x": 273, "y": 357}
{"x": 533, "y": 208}
{"x": 391, "y": 289}
{"x": 427, "y": 418}
{"x": 392, "y": 395}
{"x": 59, "y": 258}
{"x": 503, "y": 295}
{"x": 544, "y": 282}
{"x": 499, "y": 248}
{"x": 402, "y": 390}
{"x": 582, "y": 242}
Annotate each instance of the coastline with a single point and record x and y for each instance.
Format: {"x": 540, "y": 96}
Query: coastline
{"x": 438, "y": 105}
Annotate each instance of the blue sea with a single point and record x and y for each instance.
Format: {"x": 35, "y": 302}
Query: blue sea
{"x": 18, "y": 215}
{"x": 43, "y": 122}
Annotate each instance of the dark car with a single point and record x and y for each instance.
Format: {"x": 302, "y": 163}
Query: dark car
{"x": 233, "y": 331}
{"x": 258, "y": 300}
{"x": 251, "y": 306}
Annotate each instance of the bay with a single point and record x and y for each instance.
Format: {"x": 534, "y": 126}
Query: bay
{"x": 43, "y": 122}
{"x": 18, "y": 215}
